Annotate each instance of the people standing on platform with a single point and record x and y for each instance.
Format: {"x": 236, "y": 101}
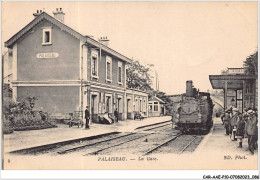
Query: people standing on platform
{"x": 226, "y": 120}
{"x": 233, "y": 122}
{"x": 87, "y": 116}
{"x": 116, "y": 115}
{"x": 251, "y": 130}
{"x": 256, "y": 138}
{"x": 240, "y": 129}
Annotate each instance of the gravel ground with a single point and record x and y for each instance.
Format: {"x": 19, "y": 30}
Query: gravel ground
{"x": 157, "y": 135}
{"x": 138, "y": 134}
{"x": 179, "y": 143}
{"x": 194, "y": 144}
{"x": 135, "y": 143}
{"x": 142, "y": 145}
{"x": 139, "y": 146}
{"x": 108, "y": 144}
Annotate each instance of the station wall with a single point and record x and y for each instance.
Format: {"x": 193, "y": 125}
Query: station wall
{"x": 52, "y": 99}
{"x": 64, "y": 67}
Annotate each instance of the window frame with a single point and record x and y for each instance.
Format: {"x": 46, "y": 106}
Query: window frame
{"x": 249, "y": 89}
{"x": 44, "y": 30}
{"x": 150, "y": 108}
{"x": 95, "y": 55}
{"x": 109, "y": 60}
{"x": 120, "y": 64}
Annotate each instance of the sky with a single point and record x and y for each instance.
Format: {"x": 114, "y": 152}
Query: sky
{"x": 184, "y": 40}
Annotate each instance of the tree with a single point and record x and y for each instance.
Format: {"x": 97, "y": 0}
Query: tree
{"x": 251, "y": 64}
{"x": 162, "y": 96}
{"x": 138, "y": 76}
{"x": 224, "y": 72}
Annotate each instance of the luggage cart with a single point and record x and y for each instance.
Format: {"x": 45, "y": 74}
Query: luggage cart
{"x": 76, "y": 119}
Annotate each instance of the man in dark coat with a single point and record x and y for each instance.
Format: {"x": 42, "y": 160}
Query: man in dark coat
{"x": 251, "y": 130}
{"x": 240, "y": 129}
{"x": 116, "y": 115}
{"x": 87, "y": 116}
{"x": 226, "y": 120}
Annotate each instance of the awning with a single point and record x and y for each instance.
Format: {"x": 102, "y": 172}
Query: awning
{"x": 233, "y": 81}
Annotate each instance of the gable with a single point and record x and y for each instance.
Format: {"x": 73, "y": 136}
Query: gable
{"x": 62, "y": 53}
{"x": 65, "y": 28}
{"x": 156, "y": 99}
{"x": 37, "y": 20}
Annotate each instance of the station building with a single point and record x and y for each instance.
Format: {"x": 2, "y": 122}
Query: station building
{"x": 68, "y": 71}
{"x": 156, "y": 107}
{"x": 240, "y": 89}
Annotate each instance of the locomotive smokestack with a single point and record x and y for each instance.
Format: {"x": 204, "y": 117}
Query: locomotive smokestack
{"x": 189, "y": 88}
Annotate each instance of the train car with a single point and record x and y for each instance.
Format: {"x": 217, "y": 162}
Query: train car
{"x": 194, "y": 111}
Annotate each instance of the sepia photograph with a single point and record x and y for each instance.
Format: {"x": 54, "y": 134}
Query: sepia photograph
{"x": 119, "y": 85}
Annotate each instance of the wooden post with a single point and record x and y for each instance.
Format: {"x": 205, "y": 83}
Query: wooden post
{"x": 225, "y": 95}
{"x": 236, "y": 98}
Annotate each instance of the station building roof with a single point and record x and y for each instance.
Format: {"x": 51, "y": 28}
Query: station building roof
{"x": 154, "y": 98}
{"x": 62, "y": 26}
{"x": 234, "y": 81}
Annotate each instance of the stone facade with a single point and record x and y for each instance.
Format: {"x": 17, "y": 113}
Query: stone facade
{"x": 67, "y": 71}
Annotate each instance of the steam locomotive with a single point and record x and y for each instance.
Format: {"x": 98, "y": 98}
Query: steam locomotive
{"x": 194, "y": 111}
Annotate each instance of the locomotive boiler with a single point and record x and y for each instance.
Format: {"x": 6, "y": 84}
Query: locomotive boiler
{"x": 194, "y": 111}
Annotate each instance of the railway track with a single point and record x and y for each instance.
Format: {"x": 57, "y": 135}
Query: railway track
{"x": 82, "y": 143}
{"x": 162, "y": 144}
{"x": 136, "y": 135}
{"x": 187, "y": 145}
{"x": 92, "y": 144}
{"x": 114, "y": 145}
{"x": 146, "y": 140}
{"x": 179, "y": 149}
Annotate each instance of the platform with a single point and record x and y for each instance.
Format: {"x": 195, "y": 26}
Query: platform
{"x": 220, "y": 152}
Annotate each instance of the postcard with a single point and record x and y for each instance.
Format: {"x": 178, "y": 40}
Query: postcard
{"x": 130, "y": 85}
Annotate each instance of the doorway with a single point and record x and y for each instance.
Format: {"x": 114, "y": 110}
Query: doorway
{"x": 108, "y": 104}
{"x": 94, "y": 107}
{"x": 119, "y": 105}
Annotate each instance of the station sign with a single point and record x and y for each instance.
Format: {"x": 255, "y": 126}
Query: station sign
{"x": 236, "y": 71}
{"x": 47, "y": 55}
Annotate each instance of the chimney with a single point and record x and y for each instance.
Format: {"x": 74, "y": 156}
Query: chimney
{"x": 37, "y": 13}
{"x": 189, "y": 88}
{"x": 104, "y": 41}
{"x": 59, "y": 14}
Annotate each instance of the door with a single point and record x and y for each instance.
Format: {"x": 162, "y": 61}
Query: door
{"x": 93, "y": 106}
{"x": 162, "y": 110}
{"x": 108, "y": 108}
{"x": 119, "y": 105}
{"x": 127, "y": 109}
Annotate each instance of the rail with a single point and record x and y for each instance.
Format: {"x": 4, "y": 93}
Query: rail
{"x": 187, "y": 145}
{"x": 160, "y": 145}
